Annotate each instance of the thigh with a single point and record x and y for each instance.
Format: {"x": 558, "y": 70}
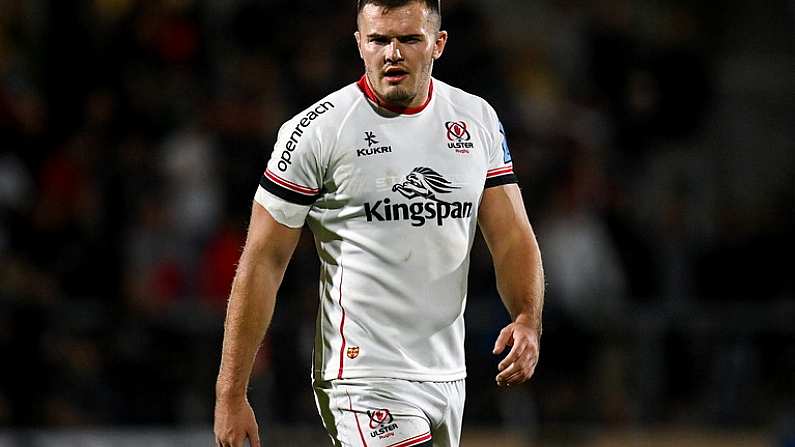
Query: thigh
{"x": 447, "y": 422}
{"x": 372, "y": 413}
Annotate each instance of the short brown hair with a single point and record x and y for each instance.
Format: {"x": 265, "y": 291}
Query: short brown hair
{"x": 434, "y": 6}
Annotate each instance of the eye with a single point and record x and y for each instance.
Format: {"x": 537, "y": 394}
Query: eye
{"x": 410, "y": 39}
{"x": 379, "y": 40}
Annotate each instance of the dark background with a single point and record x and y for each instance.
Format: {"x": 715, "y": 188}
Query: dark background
{"x": 653, "y": 142}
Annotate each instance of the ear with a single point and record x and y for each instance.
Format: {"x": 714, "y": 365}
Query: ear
{"x": 358, "y": 38}
{"x": 439, "y": 44}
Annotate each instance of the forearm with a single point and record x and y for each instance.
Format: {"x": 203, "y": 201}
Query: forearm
{"x": 520, "y": 280}
{"x": 249, "y": 313}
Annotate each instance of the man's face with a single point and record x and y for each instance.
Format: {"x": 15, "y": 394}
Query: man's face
{"x": 398, "y": 48}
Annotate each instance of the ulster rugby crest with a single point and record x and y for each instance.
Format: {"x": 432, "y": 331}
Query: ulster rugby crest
{"x": 353, "y": 352}
{"x": 458, "y": 136}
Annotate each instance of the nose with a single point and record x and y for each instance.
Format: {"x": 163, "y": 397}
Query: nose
{"x": 393, "y": 53}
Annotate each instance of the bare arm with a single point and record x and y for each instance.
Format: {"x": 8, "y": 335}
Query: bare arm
{"x": 269, "y": 247}
{"x": 520, "y": 279}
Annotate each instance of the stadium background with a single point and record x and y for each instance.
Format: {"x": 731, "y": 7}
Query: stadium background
{"x": 654, "y": 145}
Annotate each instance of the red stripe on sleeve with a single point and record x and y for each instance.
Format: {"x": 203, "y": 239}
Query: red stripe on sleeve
{"x": 499, "y": 171}
{"x": 290, "y": 185}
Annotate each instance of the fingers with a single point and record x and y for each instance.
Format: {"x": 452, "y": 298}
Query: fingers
{"x": 233, "y": 425}
{"x": 253, "y": 437}
{"x": 517, "y": 372}
{"x": 516, "y": 352}
{"x": 239, "y": 442}
{"x": 519, "y": 365}
{"x": 510, "y": 375}
{"x": 503, "y": 340}
{"x": 252, "y": 434}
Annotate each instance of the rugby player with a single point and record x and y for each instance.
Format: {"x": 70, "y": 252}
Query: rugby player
{"x": 392, "y": 174}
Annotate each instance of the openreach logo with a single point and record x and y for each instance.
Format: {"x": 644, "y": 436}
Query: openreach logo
{"x": 424, "y": 184}
{"x": 286, "y": 157}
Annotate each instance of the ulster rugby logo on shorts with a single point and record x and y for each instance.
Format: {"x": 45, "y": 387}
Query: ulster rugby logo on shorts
{"x": 379, "y": 418}
{"x": 458, "y": 135}
{"x": 381, "y": 423}
{"x": 353, "y": 352}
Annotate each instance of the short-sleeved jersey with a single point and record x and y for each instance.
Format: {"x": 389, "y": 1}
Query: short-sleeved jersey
{"x": 392, "y": 199}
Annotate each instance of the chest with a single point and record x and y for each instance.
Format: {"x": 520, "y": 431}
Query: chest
{"x": 418, "y": 159}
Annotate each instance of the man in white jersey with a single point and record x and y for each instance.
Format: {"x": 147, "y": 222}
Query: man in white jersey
{"x": 392, "y": 174}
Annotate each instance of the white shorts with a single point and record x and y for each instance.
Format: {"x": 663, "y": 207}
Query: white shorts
{"x": 372, "y": 412}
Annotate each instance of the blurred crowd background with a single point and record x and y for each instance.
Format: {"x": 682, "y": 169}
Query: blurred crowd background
{"x": 653, "y": 142}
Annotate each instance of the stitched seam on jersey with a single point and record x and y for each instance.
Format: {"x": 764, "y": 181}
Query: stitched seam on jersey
{"x": 356, "y": 416}
{"x": 319, "y": 325}
{"x": 490, "y": 111}
{"x": 456, "y": 107}
{"x": 346, "y": 118}
{"x": 342, "y": 326}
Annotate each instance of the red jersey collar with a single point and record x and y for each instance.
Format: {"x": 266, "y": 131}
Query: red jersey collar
{"x": 364, "y": 86}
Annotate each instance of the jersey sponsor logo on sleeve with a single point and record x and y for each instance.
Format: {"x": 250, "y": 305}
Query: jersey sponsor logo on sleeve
{"x": 506, "y": 153}
{"x": 370, "y": 138}
{"x": 422, "y": 183}
{"x": 286, "y": 157}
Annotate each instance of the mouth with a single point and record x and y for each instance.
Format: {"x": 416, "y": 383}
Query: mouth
{"x": 395, "y": 75}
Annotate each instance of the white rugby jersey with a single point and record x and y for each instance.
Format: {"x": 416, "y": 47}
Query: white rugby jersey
{"x": 391, "y": 196}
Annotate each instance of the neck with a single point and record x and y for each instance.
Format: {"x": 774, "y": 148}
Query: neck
{"x": 416, "y": 105}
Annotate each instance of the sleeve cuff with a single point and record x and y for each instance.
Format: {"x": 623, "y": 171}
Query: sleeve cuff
{"x": 284, "y": 212}
{"x": 501, "y": 180}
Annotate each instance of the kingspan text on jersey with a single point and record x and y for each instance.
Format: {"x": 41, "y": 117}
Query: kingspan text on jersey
{"x": 417, "y": 212}
{"x": 286, "y": 158}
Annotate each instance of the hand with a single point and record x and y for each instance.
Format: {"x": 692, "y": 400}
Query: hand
{"x": 234, "y": 422}
{"x": 519, "y": 365}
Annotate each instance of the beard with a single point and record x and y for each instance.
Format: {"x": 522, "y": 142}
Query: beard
{"x": 399, "y": 96}
{"x": 403, "y": 96}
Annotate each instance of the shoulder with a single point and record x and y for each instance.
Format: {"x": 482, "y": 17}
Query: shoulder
{"x": 465, "y": 102}
{"x": 325, "y": 113}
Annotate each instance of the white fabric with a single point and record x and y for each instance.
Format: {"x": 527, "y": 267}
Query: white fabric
{"x": 284, "y": 212}
{"x": 391, "y": 412}
{"x": 393, "y": 204}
